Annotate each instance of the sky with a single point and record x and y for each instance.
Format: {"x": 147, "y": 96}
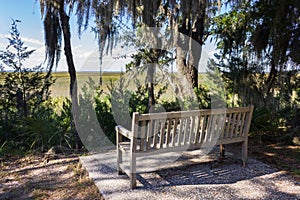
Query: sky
{"x": 85, "y": 49}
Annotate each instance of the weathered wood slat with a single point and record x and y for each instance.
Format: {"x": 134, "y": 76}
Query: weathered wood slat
{"x": 227, "y": 124}
{"x": 149, "y": 134}
{"x": 203, "y": 127}
{"x": 155, "y": 137}
{"x": 186, "y": 132}
{"x": 183, "y": 114}
{"x": 237, "y": 127}
{"x": 242, "y": 124}
{"x": 197, "y": 133}
{"x": 174, "y": 134}
{"x": 232, "y": 125}
{"x": 168, "y": 137}
{"x": 222, "y": 124}
{"x": 207, "y": 129}
{"x": 192, "y": 131}
{"x": 213, "y": 129}
{"x": 143, "y": 136}
{"x": 181, "y": 127}
{"x": 162, "y": 133}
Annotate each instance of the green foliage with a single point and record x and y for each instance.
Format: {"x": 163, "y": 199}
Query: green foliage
{"x": 256, "y": 61}
{"x": 25, "y": 88}
{"x": 10, "y": 147}
{"x": 62, "y": 132}
{"x": 105, "y": 116}
{"x": 261, "y": 124}
{"x": 22, "y": 93}
{"x": 37, "y": 131}
{"x": 170, "y": 105}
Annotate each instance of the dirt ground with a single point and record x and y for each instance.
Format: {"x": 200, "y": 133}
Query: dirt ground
{"x": 283, "y": 157}
{"x": 62, "y": 176}
{"x": 37, "y": 177}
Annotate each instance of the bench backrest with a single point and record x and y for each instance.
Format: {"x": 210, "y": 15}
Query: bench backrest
{"x": 187, "y": 128}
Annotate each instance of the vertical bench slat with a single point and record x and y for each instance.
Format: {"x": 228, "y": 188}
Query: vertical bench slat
{"x": 213, "y": 128}
{"x": 162, "y": 133}
{"x": 143, "y": 136}
{"x": 186, "y": 133}
{"x": 174, "y": 134}
{"x": 138, "y": 137}
{"x": 238, "y": 124}
{"x": 209, "y": 129}
{"x": 217, "y": 127}
{"x": 227, "y": 124}
{"x": 155, "y": 136}
{"x": 202, "y": 136}
{"x": 245, "y": 132}
{"x": 222, "y": 124}
{"x": 197, "y": 129}
{"x": 242, "y": 124}
{"x": 149, "y": 134}
{"x": 192, "y": 131}
{"x": 168, "y": 132}
{"x": 182, "y": 137}
{"x": 206, "y": 128}
{"x": 232, "y": 123}
{"x": 181, "y": 120}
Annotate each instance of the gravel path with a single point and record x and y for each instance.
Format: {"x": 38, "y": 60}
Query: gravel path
{"x": 191, "y": 177}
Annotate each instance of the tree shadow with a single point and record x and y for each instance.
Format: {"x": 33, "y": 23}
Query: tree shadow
{"x": 43, "y": 180}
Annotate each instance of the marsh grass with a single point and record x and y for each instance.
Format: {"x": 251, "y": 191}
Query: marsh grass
{"x": 61, "y": 86}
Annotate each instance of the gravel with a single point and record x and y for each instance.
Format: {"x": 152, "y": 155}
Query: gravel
{"x": 193, "y": 177}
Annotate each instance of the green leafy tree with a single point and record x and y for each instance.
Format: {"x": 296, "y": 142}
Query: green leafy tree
{"x": 258, "y": 58}
{"x": 23, "y": 89}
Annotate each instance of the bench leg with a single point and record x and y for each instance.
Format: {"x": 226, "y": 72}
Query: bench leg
{"x": 245, "y": 152}
{"x": 132, "y": 171}
{"x": 119, "y": 161}
{"x": 222, "y": 151}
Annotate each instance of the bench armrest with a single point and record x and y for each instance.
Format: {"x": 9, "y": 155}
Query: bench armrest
{"x": 123, "y": 131}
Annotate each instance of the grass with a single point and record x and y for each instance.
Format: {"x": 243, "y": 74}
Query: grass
{"x": 61, "y": 85}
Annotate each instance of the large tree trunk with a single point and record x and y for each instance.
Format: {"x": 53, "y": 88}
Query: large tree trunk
{"x": 149, "y": 11}
{"x": 150, "y": 77}
{"x": 187, "y": 61}
{"x": 71, "y": 67}
{"x": 189, "y": 45}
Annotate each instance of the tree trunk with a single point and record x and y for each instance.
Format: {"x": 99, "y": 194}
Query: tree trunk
{"x": 149, "y": 11}
{"x": 150, "y": 77}
{"x": 189, "y": 47}
{"x": 71, "y": 67}
{"x": 187, "y": 61}
{"x": 271, "y": 78}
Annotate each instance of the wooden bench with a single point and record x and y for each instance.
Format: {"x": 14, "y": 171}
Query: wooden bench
{"x": 170, "y": 131}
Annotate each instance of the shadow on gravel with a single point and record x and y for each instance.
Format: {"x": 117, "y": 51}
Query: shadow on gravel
{"x": 190, "y": 179}
{"x": 224, "y": 171}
